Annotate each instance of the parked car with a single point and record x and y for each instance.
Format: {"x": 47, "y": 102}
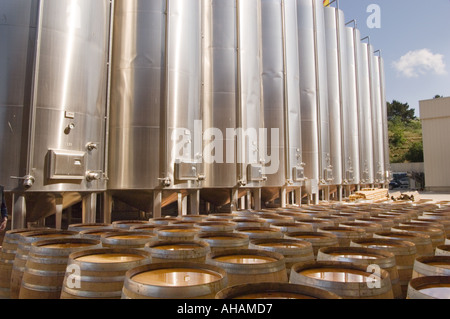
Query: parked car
{"x": 395, "y": 184}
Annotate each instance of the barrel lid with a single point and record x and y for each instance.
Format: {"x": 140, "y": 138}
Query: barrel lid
{"x": 245, "y": 257}
{"x": 128, "y": 223}
{"x": 311, "y": 235}
{"x": 176, "y": 228}
{"x": 89, "y": 225}
{"x": 271, "y": 290}
{"x": 339, "y": 229}
{"x": 434, "y": 287}
{"x": 352, "y": 254}
{"x": 122, "y": 257}
{"x": 315, "y": 271}
{"x": 190, "y": 244}
{"x": 178, "y": 270}
{"x": 383, "y": 242}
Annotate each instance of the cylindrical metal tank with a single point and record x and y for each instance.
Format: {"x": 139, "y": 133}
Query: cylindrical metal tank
{"x": 313, "y": 91}
{"x": 220, "y": 95}
{"x": 281, "y": 100}
{"x": 377, "y": 120}
{"x": 273, "y": 95}
{"x": 387, "y": 165}
{"x": 155, "y": 101}
{"x": 231, "y": 99}
{"x": 294, "y": 158}
{"x": 250, "y": 113}
{"x": 337, "y": 95}
{"x": 18, "y": 34}
{"x": 350, "y": 114}
{"x": 365, "y": 113}
{"x": 53, "y": 96}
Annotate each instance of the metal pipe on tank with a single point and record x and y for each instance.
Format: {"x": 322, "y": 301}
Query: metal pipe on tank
{"x": 107, "y": 198}
{"x": 29, "y": 179}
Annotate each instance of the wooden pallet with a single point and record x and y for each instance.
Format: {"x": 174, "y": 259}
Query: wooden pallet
{"x": 370, "y": 194}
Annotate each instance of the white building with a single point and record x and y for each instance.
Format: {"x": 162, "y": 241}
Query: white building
{"x": 435, "y": 116}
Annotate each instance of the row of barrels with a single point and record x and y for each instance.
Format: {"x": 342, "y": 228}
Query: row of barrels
{"x": 288, "y": 247}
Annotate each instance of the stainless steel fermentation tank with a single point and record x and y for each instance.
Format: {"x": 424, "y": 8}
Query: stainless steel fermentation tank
{"x": 350, "y": 120}
{"x": 53, "y": 103}
{"x": 231, "y": 103}
{"x": 384, "y": 116}
{"x": 337, "y": 92}
{"x": 378, "y": 128}
{"x": 314, "y": 97}
{"x": 381, "y": 141}
{"x": 153, "y": 102}
{"x": 365, "y": 112}
{"x": 155, "y": 121}
{"x": 281, "y": 101}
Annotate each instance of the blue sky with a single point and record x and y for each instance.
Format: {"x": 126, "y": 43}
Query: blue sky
{"x": 414, "y": 37}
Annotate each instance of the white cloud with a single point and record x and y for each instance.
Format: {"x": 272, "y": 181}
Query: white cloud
{"x": 415, "y": 63}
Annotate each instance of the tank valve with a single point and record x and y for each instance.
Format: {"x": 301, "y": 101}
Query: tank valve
{"x": 91, "y": 146}
{"x": 92, "y": 176}
{"x": 28, "y": 181}
{"x": 165, "y": 181}
{"x": 69, "y": 128}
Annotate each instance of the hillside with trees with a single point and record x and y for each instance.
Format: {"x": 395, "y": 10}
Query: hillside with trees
{"x": 405, "y": 133}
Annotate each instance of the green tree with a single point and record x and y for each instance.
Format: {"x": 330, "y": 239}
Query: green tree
{"x": 415, "y": 153}
{"x": 401, "y": 111}
{"x": 397, "y": 138}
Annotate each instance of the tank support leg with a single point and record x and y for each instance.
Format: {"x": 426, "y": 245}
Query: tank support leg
{"x": 283, "y": 197}
{"x": 59, "y": 211}
{"x": 339, "y": 190}
{"x": 298, "y": 196}
{"x": 107, "y": 207}
{"x": 194, "y": 202}
{"x": 243, "y": 202}
{"x": 19, "y": 211}
{"x": 182, "y": 204}
{"x": 248, "y": 200}
{"x": 257, "y": 198}
{"x": 157, "y": 203}
{"x": 89, "y": 207}
{"x": 234, "y": 196}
